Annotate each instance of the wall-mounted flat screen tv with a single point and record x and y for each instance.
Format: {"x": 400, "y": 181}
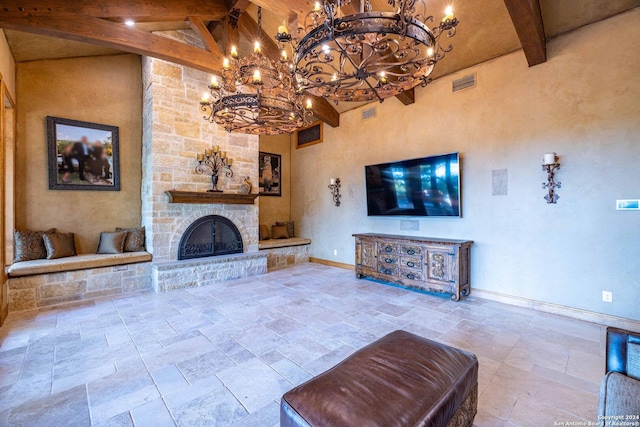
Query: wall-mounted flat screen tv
{"x": 428, "y": 186}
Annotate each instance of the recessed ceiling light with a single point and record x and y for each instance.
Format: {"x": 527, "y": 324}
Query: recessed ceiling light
{"x": 129, "y": 23}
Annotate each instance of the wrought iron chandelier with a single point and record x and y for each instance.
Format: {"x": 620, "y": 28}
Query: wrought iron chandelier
{"x": 370, "y": 55}
{"x": 256, "y": 95}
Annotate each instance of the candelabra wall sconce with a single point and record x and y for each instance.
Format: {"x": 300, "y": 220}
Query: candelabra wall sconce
{"x": 218, "y": 162}
{"x": 334, "y": 186}
{"x": 550, "y": 166}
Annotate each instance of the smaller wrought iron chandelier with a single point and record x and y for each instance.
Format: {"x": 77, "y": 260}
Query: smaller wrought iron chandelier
{"x": 256, "y": 95}
{"x": 370, "y": 55}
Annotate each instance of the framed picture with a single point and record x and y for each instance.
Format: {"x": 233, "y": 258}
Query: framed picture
{"x": 83, "y": 155}
{"x": 269, "y": 175}
{"x": 312, "y": 134}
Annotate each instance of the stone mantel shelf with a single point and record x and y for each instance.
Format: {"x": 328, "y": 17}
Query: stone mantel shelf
{"x": 205, "y": 198}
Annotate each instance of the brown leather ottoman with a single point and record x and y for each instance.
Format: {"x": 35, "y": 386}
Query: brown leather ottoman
{"x": 400, "y": 380}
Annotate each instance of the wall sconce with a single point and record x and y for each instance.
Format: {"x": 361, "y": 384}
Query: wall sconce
{"x": 334, "y": 186}
{"x": 550, "y": 166}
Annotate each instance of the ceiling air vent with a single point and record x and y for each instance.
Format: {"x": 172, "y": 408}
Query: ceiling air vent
{"x": 463, "y": 83}
{"x": 368, "y": 113}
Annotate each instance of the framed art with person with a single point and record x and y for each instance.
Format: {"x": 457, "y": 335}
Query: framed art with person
{"x": 83, "y": 155}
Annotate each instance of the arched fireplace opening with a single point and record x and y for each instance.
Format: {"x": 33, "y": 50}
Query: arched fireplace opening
{"x": 210, "y": 236}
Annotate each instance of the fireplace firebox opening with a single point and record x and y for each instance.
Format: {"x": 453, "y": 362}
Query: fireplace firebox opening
{"x": 211, "y": 235}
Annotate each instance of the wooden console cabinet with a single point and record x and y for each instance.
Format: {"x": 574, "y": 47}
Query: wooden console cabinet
{"x": 435, "y": 265}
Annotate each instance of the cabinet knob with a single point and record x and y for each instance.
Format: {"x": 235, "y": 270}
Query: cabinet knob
{"x": 410, "y": 276}
{"x": 411, "y": 252}
{"x": 410, "y": 264}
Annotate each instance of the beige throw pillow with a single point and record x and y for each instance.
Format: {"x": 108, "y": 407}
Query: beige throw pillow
{"x": 59, "y": 245}
{"x": 279, "y": 232}
{"x": 112, "y": 243}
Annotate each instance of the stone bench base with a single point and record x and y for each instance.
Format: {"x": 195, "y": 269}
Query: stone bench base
{"x": 284, "y": 252}
{"x": 41, "y": 290}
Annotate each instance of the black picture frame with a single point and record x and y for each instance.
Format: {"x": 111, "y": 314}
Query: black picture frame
{"x": 83, "y": 155}
{"x": 270, "y": 174}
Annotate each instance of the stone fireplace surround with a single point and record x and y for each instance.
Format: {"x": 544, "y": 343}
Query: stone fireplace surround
{"x": 173, "y": 133}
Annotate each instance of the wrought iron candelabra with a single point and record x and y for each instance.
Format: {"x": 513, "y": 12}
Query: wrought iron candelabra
{"x": 550, "y": 166}
{"x": 334, "y": 186}
{"x": 218, "y": 162}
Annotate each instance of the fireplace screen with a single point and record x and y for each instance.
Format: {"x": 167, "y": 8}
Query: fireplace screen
{"x": 210, "y": 236}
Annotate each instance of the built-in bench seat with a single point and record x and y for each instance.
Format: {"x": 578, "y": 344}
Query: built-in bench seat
{"x": 283, "y": 243}
{"x": 47, "y": 282}
{"x": 284, "y": 252}
{"x": 78, "y": 262}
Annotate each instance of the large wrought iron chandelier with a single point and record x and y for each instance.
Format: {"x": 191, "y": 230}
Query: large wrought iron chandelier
{"x": 256, "y": 95}
{"x": 370, "y": 55}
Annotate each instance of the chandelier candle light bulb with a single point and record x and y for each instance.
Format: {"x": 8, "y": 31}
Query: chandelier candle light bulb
{"x": 448, "y": 14}
{"x": 234, "y": 52}
{"x": 256, "y": 47}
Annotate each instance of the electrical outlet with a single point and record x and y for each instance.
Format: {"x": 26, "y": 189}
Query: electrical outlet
{"x": 607, "y": 296}
{"x": 335, "y": 252}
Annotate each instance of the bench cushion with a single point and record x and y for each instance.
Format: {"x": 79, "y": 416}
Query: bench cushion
{"x": 78, "y": 262}
{"x": 283, "y": 243}
{"x": 400, "y": 380}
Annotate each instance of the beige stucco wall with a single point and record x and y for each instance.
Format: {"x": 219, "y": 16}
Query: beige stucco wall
{"x": 104, "y": 89}
{"x": 274, "y": 208}
{"x": 7, "y": 66}
{"x": 583, "y": 103}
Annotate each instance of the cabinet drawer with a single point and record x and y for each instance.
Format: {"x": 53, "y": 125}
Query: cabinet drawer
{"x": 410, "y": 250}
{"x": 411, "y": 274}
{"x": 387, "y": 248}
{"x": 392, "y": 260}
{"x": 411, "y": 262}
{"x": 388, "y": 270}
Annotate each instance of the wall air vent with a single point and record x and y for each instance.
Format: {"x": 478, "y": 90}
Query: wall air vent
{"x": 368, "y": 113}
{"x": 463, "y": 83}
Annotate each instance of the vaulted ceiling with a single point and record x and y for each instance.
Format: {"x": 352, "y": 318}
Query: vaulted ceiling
{"x": 48, "y": 29}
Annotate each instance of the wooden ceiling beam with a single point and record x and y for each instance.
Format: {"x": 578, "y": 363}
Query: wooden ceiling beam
{"x": 322, "y": 109}
{"x": 198, "y": 26}
{"x": 138, "y": 10}
{"x": 407, "y": 97}
{"x": 527, "y": 20}
{"x": 287, "y": 9}
{"x": 116, "y": 36}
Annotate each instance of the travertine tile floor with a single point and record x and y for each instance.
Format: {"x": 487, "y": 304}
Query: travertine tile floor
{"x": 224, "y": 354}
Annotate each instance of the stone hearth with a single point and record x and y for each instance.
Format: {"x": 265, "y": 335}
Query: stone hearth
{"x": 174, "y": 132}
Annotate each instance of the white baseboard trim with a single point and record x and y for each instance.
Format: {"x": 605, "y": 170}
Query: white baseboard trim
{"x": 561, "y": 310}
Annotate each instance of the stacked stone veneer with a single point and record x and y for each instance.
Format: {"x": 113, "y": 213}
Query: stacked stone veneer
{"x": 174, "y": 132}
{"x": 289, "y": 255}
{"x": 55, "y": 288}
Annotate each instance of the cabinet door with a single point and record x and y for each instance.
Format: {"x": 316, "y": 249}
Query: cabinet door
{"x": 439, "y": 264}
{"x": 366, "y": 256}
